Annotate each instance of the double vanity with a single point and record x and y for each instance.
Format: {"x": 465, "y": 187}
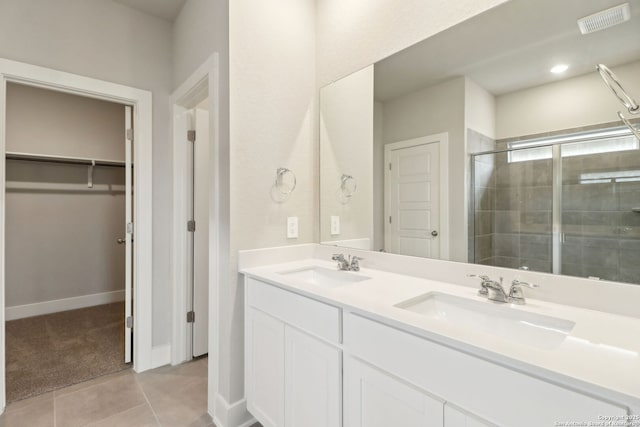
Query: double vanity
{"x": 326, "y": 347}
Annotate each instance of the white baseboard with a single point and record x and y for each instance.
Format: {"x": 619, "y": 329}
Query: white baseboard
{"x": 47, "y": 307}
{"x": 232, "y": 415}
{"x": 160, "y": 356}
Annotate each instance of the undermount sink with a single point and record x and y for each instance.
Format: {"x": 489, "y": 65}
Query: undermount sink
{"x": 321, "y": 276}
{"x": 532, "y": 329}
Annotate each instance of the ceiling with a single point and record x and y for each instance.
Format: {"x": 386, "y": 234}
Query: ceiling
{"x": 164, "y": 9}
{"x": 512, "y": 47}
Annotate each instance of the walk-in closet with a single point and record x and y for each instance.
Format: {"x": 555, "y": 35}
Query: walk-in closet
{"x": 67, "y": 250}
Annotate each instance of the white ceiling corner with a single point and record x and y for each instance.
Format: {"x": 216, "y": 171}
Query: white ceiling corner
{"x": 164, "y": 9}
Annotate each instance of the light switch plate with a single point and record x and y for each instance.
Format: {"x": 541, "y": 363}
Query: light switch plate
{"x": 335, "y": 225}
{"x": 292, "y": 227}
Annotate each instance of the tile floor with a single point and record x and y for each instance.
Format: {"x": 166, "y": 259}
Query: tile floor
{"x": 170, "y": 396}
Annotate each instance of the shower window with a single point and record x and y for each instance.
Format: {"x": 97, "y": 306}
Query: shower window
{"x": 577, "y": 144}
{"x": 568, "y": 204}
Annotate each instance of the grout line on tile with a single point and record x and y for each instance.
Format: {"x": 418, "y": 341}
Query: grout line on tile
{"x": 114, "y": 415}
{"x": 115, "y": 375}
{"x": 144, "y": 393}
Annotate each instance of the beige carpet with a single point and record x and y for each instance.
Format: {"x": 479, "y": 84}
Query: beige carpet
{"x": 48, "y": 352}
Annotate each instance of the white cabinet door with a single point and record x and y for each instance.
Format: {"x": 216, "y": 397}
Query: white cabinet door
{"x": 376, "y": 399}
{"x": 265, "y": 368}
{"x": 312, "y": 381}
{"x": 454, "y": 417}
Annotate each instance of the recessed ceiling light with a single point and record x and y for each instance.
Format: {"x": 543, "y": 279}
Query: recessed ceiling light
{"x": 560, "y": 68}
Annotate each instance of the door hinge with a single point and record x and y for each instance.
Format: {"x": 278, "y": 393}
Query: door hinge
{"x": 191, "y": 225}
{"x": 129, "y": 228}
{"x": 130, "y": 322}
{"x": 130, "y": 134}
{"x": 191, "y": 316}
{"x": 389, "y": 219}
{"x": 191, "y": 135}
{"x": 389, "y": 166}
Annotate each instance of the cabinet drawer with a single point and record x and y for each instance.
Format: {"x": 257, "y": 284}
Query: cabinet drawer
{"x": 495, "y": 393}
{"x": 317, "y": 318}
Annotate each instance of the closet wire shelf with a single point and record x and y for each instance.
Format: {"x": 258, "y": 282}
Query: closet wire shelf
{"x": 10, "y": 155}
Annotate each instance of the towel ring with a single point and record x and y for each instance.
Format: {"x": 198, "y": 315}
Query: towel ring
{"x": 280, "y": 181}
{"x": 626, "y": 121}
{"x": 348, "y": 185}
{"x": 612, "y": 82}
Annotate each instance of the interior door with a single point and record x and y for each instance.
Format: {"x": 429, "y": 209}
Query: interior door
{"x": 200, "y": 295}
{"x": 412, "y": 199}
{"x": 128, "y": 324}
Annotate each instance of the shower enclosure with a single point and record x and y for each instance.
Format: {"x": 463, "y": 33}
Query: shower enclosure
{"x": 567, "y": 203}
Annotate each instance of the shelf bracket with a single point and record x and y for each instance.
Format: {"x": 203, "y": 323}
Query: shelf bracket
{"x": 90, "y": 174}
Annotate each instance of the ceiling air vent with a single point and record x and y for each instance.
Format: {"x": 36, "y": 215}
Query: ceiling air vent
{"x": 605, "y": 19}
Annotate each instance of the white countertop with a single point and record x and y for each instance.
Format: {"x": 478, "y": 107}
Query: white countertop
{"x": 601, "y": 354}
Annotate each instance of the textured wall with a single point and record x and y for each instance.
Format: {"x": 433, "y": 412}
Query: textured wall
{"x": 273, "y": 124}
{"x": 346, "y": 147}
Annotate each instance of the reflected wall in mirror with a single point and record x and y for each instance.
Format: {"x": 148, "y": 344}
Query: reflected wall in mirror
{"x": 466, "y": 146}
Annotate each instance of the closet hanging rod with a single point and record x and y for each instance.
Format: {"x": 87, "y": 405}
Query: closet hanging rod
{"x": 62, "y": 159}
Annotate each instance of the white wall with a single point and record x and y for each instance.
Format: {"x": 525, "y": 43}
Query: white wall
{"x": 480, "y": 109}
{"x": 201, "y": 28}
{"x": 430, "y": 111}
{"x": 579, "y": 101}
{"x": 346, "y": 147}
{"x": 353, "y": 34}
{"x": 108, "y": 41}
{"x": 273, "y": 124}
{"x": 60, "y": 243}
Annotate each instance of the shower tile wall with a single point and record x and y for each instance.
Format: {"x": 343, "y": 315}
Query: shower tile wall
{"x": 602, "y": 233}
{"x": 482, "y": 209}
{"x": 511, "y": 209}
{"x": 512, "y": 212}
{"x": 523, "y": 213}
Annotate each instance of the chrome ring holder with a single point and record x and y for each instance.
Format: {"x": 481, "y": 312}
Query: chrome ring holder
{"x": 283, "y": 189}
{"x": 612, "y": 82}
{"x": 630, "y": 104}
{"x": 348, "y": 187}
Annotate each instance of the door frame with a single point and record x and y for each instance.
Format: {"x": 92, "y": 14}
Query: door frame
{"x": 141, "y": 100}
{"x": 443, "y": 140}
{"x": 203, "y": 82}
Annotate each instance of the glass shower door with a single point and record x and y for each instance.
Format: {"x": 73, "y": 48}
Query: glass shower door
{"x": 512, "y": 209}
{"x": 600, "y": 203}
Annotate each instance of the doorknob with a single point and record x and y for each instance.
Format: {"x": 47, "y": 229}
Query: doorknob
{"x": 434, "y": 233}
{"x": 121, "y": 241}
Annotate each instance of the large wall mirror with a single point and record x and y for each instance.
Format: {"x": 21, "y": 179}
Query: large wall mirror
{"x": 494, "y": 142}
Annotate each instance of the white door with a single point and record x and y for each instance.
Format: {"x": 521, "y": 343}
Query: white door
{"x": 376, "y": 399}
{"x": 265, "y": 368}
{"x": 128, "y": 205}
{"x": 412, "y": 198}
{"x": 312, "y": 381}
{"x": 454, "y": 417}
{"x": 200, "y": 197}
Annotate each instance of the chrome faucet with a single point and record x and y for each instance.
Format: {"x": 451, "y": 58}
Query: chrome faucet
{"x": 515, "y": 292}
{"x": 352, "y": 264}
{"x": 493, "y": 290}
